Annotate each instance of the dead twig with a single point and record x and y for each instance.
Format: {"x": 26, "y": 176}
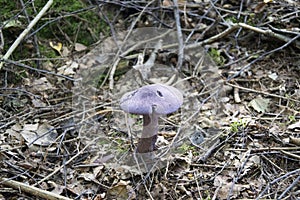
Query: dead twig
{"x": 295, "y": 182}
{"x": 297, "y": 171}
{"x": 68, "y": 162}
{"x": 214, "y": 38}
{"x": 291, "y": 154}
{"x": 234, "y": 26}
{"x": 236, "y": 95}
{"x": 271, "y": 33}
{"x": 1, "y": 41}
{"x": 34, "y": 69}
{"x": 179, "y": 36}
{"x": 25, "y": 32}
{"x": 36, "y": 192}
{"x": 264, "y": 149}
{"x": 261, "y": 92}
{"x": 35, "y": 39}
{"x": 209, "y": 151}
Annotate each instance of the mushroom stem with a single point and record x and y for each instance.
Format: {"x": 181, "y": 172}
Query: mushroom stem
{"x": 149, "y": 135}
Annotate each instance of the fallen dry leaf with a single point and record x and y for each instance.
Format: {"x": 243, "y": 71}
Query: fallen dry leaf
{"x": 260, "y": 104}
{"x": 56, "y": 45}
{"x": 39, "y": 134}
{"x": 121, "y": 191}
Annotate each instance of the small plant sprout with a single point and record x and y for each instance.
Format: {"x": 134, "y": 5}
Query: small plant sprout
{"x": 237, "y": 125}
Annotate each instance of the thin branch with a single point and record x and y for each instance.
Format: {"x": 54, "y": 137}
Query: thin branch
{"x": 261, "y": 56}
{"x": 261, "y": 92}
{"x": 34, "y": 69}
{"x": 68, "y": 162}
{"x": 36, "y": 192}
{"x": 214, "y": 38}
{"x": 235, "y": 26}
{"x": 35, "y": 39}
{"x": 296, "y": 171}
{"x": 271, "y": 33}
{"x": 179, "y": 36}
{"x": 295, "y": 182}
{"x": 25, "y": 32}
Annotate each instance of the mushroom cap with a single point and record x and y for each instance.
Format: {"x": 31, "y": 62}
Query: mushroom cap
{"x": 163, "y": 99}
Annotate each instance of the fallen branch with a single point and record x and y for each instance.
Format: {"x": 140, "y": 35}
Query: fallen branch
{"x": 288, "y": 174}
{"x": 262, "y": 92}
{"x": 271, "y": 33}
{"x": 34, "y": 191}
{"x": 235, "y": 26}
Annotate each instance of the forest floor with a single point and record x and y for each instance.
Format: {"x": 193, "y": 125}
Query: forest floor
{"x": 64, "y": 136}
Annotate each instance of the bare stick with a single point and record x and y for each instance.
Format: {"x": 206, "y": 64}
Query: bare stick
{"x": 34, "y": 69}
{"x": 295, "y": 183}
{"x": 179, "y": 35}
{"x": 270, "y": 33}
{"x": 234, "y": 26}
{"x": 26, "y": 31}
{"x": 289, "y": 174}
{"x": 214, "y": 38}
{"x": 261, "y": 92}
{"x": 37, "y": 192}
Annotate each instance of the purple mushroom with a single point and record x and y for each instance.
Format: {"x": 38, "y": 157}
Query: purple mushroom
{"x": 151, "y": 101}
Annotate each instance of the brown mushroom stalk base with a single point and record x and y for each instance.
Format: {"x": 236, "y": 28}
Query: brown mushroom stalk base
{"x": 149, "y": 135}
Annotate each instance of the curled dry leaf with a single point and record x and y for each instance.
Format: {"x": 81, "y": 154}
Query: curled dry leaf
{"x": 223, "y": 182}
{"x": 295, "y": 141}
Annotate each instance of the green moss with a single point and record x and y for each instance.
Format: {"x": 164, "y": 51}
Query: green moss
{"x": 77, "y": 22}
{"x": 103, "y": 142}
{"x": 47, "y": 51}
{"x": 66, "y": 21}
{"x": 185, "y": 148}
{"x": 8, "y": 9}
{"x": 121, "y": 147}
{"x": 232, "y": 19}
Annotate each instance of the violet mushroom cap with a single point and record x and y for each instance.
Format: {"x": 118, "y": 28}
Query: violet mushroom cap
{"x": 165, "y": 99}
{"x": 151, "y": 101}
